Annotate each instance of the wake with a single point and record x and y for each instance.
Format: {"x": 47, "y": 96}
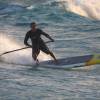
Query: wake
{"x": 22, "y": 57}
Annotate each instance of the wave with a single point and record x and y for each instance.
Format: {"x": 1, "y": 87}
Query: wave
{"x": 90, "y": 8}
{"x": 22, "y": 57}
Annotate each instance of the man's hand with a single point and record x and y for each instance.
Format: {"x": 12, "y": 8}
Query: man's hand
{"x": 30, "y": 46}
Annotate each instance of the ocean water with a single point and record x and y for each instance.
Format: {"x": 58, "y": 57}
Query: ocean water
{"x": 74, "y": 35}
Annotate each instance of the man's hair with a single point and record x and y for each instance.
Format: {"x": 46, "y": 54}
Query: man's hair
{"x": 33, "y": 23}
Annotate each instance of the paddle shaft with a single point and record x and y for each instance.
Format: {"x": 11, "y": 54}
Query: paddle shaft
{"x": 14, "y": 50}
{"x": 19, "y": 49}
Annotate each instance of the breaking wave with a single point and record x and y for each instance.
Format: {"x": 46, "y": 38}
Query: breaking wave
{"x": 90, "y": 8}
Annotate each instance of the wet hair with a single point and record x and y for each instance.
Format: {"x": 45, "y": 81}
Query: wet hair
{"x": 33, "y": 23}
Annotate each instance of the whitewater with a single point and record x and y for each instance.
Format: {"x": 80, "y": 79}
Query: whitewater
{"x": 23, "y": 57}
{"x": 75, "y": 27}
{"x": 85, "y": 8}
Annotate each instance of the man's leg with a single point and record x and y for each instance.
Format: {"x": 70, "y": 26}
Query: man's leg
{"x": 46, "y": 50}
{"x": 35, "y": 53}
{"x": 52, "y": 55}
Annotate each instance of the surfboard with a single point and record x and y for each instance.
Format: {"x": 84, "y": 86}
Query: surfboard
{"x": 72, "y": 62}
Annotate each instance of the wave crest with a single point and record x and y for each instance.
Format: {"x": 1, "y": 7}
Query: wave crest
{"x": 90, "y": 8}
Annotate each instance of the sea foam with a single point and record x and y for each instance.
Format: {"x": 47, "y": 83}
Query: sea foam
{"x": 87, "y": 8}
{"x": 23, "y": 57}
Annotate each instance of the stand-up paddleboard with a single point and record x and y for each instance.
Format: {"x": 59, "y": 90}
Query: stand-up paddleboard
{"x": 72, "y": 62}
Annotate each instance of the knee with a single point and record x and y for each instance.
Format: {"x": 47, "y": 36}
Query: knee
{"x": 34, "y": 56}
{"x": 50, "y": 52}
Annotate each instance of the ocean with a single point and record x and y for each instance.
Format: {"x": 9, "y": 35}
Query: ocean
{"x": 76, "y": 32}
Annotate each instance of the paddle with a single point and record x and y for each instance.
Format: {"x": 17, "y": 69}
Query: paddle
{"x": 14, "y": 50}
{"x": 19, "y": 49}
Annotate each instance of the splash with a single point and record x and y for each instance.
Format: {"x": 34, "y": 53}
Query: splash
{"x": 22, "y": 57}
{"x": 87, "y": 8}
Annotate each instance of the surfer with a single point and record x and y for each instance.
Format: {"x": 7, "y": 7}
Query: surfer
{"x": 37, "y": 42}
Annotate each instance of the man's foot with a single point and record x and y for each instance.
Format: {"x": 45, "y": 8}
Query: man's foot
{"x": 37, "y": 62}
{"x": 55, "y": 61}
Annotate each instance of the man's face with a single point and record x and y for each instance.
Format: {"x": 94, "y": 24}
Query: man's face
{"x": 33, "y": 26}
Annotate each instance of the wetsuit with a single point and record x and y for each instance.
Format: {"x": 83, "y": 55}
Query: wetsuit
{"x": 37, "y": 43}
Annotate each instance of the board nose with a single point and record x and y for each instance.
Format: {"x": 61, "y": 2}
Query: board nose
{"x": 94, "y": 60}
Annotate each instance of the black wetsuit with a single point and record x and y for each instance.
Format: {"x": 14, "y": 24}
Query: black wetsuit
{"x": 37, "y": 43}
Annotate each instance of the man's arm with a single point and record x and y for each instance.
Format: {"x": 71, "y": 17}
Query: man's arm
{"x": 48, "y": 36}
{"x": 26, "y": 40}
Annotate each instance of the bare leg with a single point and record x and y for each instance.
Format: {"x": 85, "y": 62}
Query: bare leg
{"x": 34, "y": 55}
{"x": 52, "y": 55}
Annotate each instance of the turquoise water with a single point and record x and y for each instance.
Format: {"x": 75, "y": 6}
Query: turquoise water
{"x": 74, "y": 35}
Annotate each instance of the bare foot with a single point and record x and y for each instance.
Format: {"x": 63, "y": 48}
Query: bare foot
{"x": 56, "y": 62}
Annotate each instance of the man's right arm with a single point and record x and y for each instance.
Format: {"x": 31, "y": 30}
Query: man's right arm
{"x": 26, "y": 40}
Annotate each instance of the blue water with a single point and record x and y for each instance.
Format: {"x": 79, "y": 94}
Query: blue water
{"x": 74, "y": 35}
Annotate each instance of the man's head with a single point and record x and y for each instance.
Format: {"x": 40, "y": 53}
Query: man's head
{"x": 33, "y": 25}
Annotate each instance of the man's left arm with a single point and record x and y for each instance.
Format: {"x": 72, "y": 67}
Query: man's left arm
{"x": 48, "y": 36}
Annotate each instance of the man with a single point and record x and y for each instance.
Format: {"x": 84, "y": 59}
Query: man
{"x": 37, "y": 43}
